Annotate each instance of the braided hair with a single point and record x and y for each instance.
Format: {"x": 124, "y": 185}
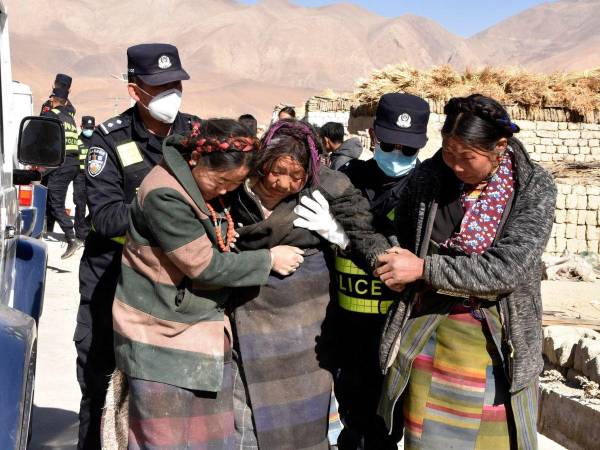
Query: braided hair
{"x": 478, "y": 121}
{"x": 295, "y": 139}
{"x": 219, "y": 144}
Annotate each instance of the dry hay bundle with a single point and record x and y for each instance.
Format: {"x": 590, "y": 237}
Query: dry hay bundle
{"x": 582, "y": 172}
{"x": 578, "y": 92}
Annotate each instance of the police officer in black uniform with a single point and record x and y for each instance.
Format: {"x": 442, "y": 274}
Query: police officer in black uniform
{"x": 59, "y": 179}
{"x": 82, "y": 226}
{"x": 122, "y": 151}
{"x": 60, "y": 81}
{"x": 400, "y": 130}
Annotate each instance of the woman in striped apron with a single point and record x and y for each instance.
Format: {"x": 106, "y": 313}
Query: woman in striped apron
{"x": 462, "y": 346}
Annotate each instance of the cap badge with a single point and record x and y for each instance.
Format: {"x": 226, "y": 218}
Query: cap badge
{"x": 164, "y": 62}
{"x": 404, "y": 121}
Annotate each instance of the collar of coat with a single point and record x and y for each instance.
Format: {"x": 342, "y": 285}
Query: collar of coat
{"x": 181, "y": 170}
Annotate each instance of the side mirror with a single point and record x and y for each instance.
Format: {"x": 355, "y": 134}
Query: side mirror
{"x": 41, "y": 142}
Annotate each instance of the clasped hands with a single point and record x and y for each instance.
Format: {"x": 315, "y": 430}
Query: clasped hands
{"x": 398, "y": 267}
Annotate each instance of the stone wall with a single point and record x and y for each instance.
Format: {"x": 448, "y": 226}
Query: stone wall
{"x": 569, "y": 401}
{"x": 320, "y": 110}
{"x": 577, "y": 217}
{"x": 549, "y": 135}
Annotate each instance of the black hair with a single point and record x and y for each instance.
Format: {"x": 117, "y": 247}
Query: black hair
{"x": 61, "y": 101}
{"x": 478, "y": 121}
{"x": 288, "y": 110}
{"x": 220, "y": 143}
{"x": 290, "y": 140}
{"x": 249, "y": 121}
{"x": 334, "y": 131}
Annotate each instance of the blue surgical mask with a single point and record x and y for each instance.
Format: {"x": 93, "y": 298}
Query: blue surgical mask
{"x": 87, "y": 132}
{"x": 394, "y": 164}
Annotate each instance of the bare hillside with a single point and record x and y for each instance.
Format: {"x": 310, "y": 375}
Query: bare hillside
{"x": 561, "y": 35}
{"x": 247, "y": 58}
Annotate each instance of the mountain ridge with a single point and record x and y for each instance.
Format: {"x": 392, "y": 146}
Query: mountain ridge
{"x": 246, "y": 58}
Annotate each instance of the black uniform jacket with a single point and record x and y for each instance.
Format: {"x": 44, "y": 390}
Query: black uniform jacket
{"x": 382, "y": 191}
{"x": 121, "y": 152}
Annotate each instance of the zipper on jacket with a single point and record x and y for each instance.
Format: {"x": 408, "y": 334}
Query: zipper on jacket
{"x": 507, "y": 341}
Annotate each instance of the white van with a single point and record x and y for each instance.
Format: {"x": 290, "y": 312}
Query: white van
{"x": 24, "y": 142}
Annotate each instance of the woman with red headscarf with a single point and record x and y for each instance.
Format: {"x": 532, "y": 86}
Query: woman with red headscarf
{"x": 172, "y": 334}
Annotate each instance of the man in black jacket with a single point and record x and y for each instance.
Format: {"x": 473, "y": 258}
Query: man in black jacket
{"x": 59, "y": 179}
{"x": 340, "y": 152}
{"x": 400, "y": 130}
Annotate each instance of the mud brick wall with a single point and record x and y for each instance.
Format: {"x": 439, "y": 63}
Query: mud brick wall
{"x": 577, "y": 218}
{"x": 320, "y": 110}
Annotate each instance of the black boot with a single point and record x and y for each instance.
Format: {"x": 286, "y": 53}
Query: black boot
{"x": 73, "y": 245}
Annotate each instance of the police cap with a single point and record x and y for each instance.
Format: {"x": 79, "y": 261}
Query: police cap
{"x": 88, "y": 122}
{"x": 63, "y": 80}
{"x": 60, "y": 92}
{"x": 402, "y": 119}
{"x": 155, "y": 64}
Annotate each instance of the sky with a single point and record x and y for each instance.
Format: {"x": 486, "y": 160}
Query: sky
{"x": 462, "y": 17}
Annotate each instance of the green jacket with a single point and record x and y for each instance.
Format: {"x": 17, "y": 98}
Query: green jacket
{"x": 168, "y": 313}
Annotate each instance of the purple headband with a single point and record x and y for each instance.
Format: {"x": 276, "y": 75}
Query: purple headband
{"x": 314, "y": 153}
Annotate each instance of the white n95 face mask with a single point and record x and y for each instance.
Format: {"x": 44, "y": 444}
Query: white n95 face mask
{"x": 164, "y": 106}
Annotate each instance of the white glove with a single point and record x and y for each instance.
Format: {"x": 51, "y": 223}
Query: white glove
{"x": 314, "y": 215}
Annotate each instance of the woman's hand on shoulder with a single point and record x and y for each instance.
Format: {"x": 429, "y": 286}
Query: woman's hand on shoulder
{"x": 285, "y": 259}
{"x": 398, "y": 267}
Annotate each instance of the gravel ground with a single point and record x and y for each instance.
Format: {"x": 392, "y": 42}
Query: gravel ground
{"x": 57, "y": 393}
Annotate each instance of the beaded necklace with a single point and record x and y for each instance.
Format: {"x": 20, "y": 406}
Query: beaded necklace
{"x": 224, "y": 246}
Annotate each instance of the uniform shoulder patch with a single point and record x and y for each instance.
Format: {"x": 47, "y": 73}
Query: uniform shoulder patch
{"x": 115, "y": 123}
{"x": 96, "y": 160}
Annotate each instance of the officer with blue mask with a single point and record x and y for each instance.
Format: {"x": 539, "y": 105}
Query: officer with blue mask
{"x": 82, "y": 225}
{"x": 399, "y": 132}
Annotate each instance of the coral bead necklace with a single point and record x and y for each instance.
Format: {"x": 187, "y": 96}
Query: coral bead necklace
{"x": 224, "y": 246}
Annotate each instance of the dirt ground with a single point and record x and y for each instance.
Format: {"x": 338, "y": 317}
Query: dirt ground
{"x": 572, "y": 301}
{"x": 57, "y": 393}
